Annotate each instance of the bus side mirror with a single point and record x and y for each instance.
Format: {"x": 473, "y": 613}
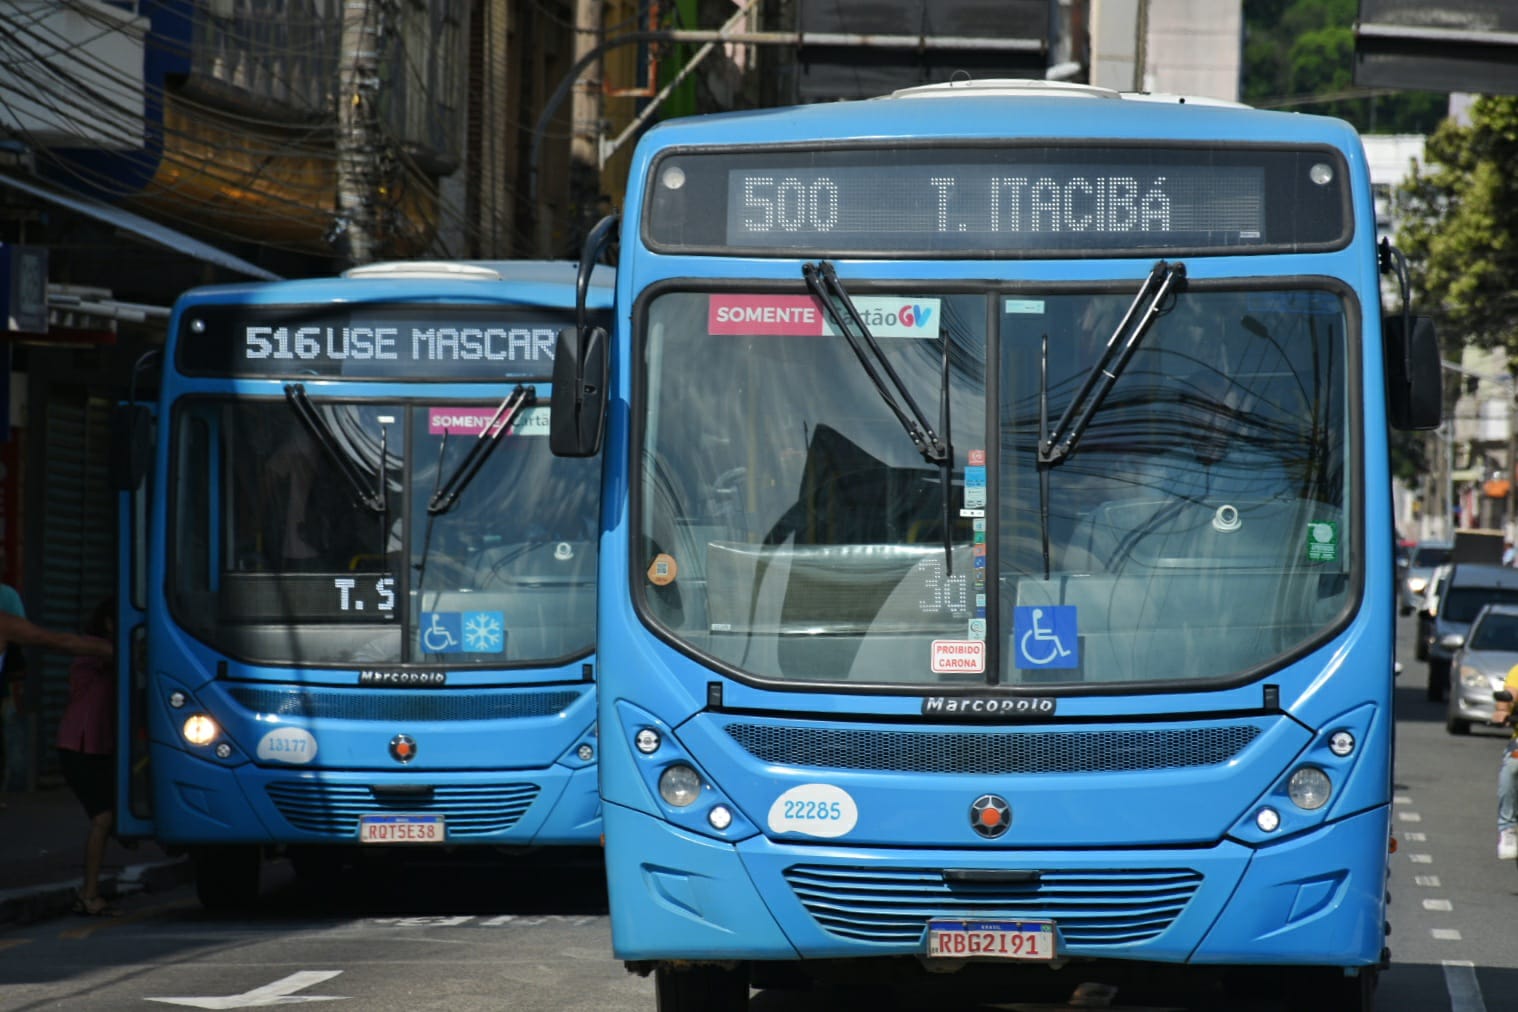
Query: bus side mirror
{"x": 1414, "y": 373}
{"x": 578, "y": 411}
{"x": 131, "y": 446}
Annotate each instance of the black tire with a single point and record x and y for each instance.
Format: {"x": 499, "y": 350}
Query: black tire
{"x": 701, "y": 989}
{"x": 227, "y": 878}
{"x": 1453, "y": 724}
{"x": 1438, "y": 680}
{"x": 1328, "y": 989}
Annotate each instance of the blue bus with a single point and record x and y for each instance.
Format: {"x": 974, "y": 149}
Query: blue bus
{"x": 357, "y": 591}
{"x": 997, "y": 565}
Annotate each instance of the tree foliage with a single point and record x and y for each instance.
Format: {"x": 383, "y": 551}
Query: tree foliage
{"x": 1295, "y": 50}
{"x": 1460, "y": 227}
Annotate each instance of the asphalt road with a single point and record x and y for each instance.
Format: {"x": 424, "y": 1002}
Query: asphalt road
{"x": 531, "y": 933}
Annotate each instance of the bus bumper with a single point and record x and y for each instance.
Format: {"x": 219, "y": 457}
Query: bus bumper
{"x": 199, "y": 802}
{"x": 1313, "y": 900}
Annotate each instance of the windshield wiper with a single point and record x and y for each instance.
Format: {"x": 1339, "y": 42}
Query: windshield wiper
{"x": 295, "y": 394}
{"x": 1054, "y": 447}
{"x": 824, "y": 284}
{"x": 446, "y": 495}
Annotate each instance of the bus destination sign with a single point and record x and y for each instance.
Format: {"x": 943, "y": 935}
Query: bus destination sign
{"x": 370, "y": 342}
{"x": 1008, "y": 201}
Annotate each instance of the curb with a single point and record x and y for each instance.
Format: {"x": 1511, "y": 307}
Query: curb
{"x": 56, "y": 899}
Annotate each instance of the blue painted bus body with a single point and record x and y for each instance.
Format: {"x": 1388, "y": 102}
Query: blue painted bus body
{"x": 1136, "y": 808}
{"x": 319, "y": 721}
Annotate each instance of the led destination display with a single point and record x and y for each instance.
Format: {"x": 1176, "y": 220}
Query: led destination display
{"x": 370, "y": 341}
{"x": 1013, "y": 201}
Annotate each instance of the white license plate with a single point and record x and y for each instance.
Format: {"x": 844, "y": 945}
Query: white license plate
{"x": 401, "y": 829}
{"x": 1032, "y": 940}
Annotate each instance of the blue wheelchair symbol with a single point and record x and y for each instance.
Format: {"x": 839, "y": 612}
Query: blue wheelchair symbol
{"x": 1046, "y": 636}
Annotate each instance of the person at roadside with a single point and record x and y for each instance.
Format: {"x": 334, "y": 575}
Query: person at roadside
{"x": 13, "y": 725}
{"x": 87, "y": 748}
{"x": 1507, "y": 774}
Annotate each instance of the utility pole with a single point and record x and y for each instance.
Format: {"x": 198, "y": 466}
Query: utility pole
{"x": 585, "y": 113}
{"x": 354, "y": 231}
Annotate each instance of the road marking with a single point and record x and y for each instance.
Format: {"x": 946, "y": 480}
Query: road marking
{"x": 1438, "y": 905}
{"x": 1464, "y": 990}
{"x": 1415, "y": 837}
{"x": 1421, "y": 858}
{"x": 1427, "y": 881}
{"x": 1446, "y": 934}
{"x": 1409, "y": 816}
{"x": 1402, "y": 799}
{"x": 281, "y": 992}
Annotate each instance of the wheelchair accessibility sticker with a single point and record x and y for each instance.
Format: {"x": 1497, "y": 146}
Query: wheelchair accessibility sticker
{"x": 1046, "y": 636}
{"x": 463, "y": 632}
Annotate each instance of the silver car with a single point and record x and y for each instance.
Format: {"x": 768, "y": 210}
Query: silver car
{"x": 1480, "y": 666}
{"x": 1425, "y": 557}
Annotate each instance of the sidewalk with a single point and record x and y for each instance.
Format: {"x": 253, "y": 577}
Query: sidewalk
{"x": 42, "y": 836}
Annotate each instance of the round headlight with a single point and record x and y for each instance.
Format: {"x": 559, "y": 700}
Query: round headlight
{"x": 1268, "y": 819}
{"x": 199, "y": 729}
{"x": 680, "y": 785}
{"x": 1309, "y": 788}
{"x": 1474, "y": 678}
{"x": 647, "y": 741}
{"x": 585, "y": 752}
{"x": 178, "y": 699}
{"x": 719, "y": 817}
{"x": 1341, "y": 744}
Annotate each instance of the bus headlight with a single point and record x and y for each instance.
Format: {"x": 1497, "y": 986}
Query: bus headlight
{"x": 1309, "y": 788}
{"x": 199, "y": 729}
{"x": 680, "y": 785}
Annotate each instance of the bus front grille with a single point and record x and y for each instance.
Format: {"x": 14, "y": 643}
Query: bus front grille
{"x": 333, "y": 809}
{"x": 994, "y": 750}
{"x": 404, "y": 705}
{"x": 1108, "y": 907}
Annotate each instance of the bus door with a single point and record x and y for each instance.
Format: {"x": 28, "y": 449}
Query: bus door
{"x": 133, "y": 439}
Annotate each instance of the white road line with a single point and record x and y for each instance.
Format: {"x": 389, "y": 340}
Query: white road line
{"x": 1415, "y": 837}
{"x": 1438, "y": 905}
{"x": 1427, "y": 881}
{"x": 1421, "y": 858}
{"x": 1402, "y": 799}
{"x": 1464, "y": 990}
{"x": 1446, "y": 934}
{"x": 1409, "y": 816}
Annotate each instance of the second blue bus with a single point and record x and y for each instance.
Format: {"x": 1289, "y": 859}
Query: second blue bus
{"x": 357, "y": 590}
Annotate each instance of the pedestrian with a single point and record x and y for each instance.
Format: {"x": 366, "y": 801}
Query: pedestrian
{"x": 13, "y": 725}
{"x": 87, "y": 749}
{"x": 1507, "y": 773}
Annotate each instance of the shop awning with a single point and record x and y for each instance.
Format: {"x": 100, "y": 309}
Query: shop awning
{"x": 137, "y": 224}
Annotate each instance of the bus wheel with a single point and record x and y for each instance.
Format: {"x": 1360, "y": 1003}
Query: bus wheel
{"x": 226, "y": 878}
{"x": 701, "y": 987}
{"x": 1328, "y": 989}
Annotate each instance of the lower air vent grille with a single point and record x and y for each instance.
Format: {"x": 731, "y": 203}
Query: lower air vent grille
{"x": 333, "y": 809}
{"x": 1110, "y": 907}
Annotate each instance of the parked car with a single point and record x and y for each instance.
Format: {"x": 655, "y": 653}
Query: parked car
{"x": 1480, "y": 667}
{"x": 1425, "y": 557}
{"x": 1428, "y": 608}
{"x": 1469, "y": 587}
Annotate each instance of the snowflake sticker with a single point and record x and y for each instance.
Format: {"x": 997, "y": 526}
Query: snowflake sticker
{"x": 484, "y": 632}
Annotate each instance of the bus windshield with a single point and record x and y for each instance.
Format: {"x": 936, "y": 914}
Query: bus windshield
{"x": 286, "y": 548}
{"x": 790, "y": 532}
